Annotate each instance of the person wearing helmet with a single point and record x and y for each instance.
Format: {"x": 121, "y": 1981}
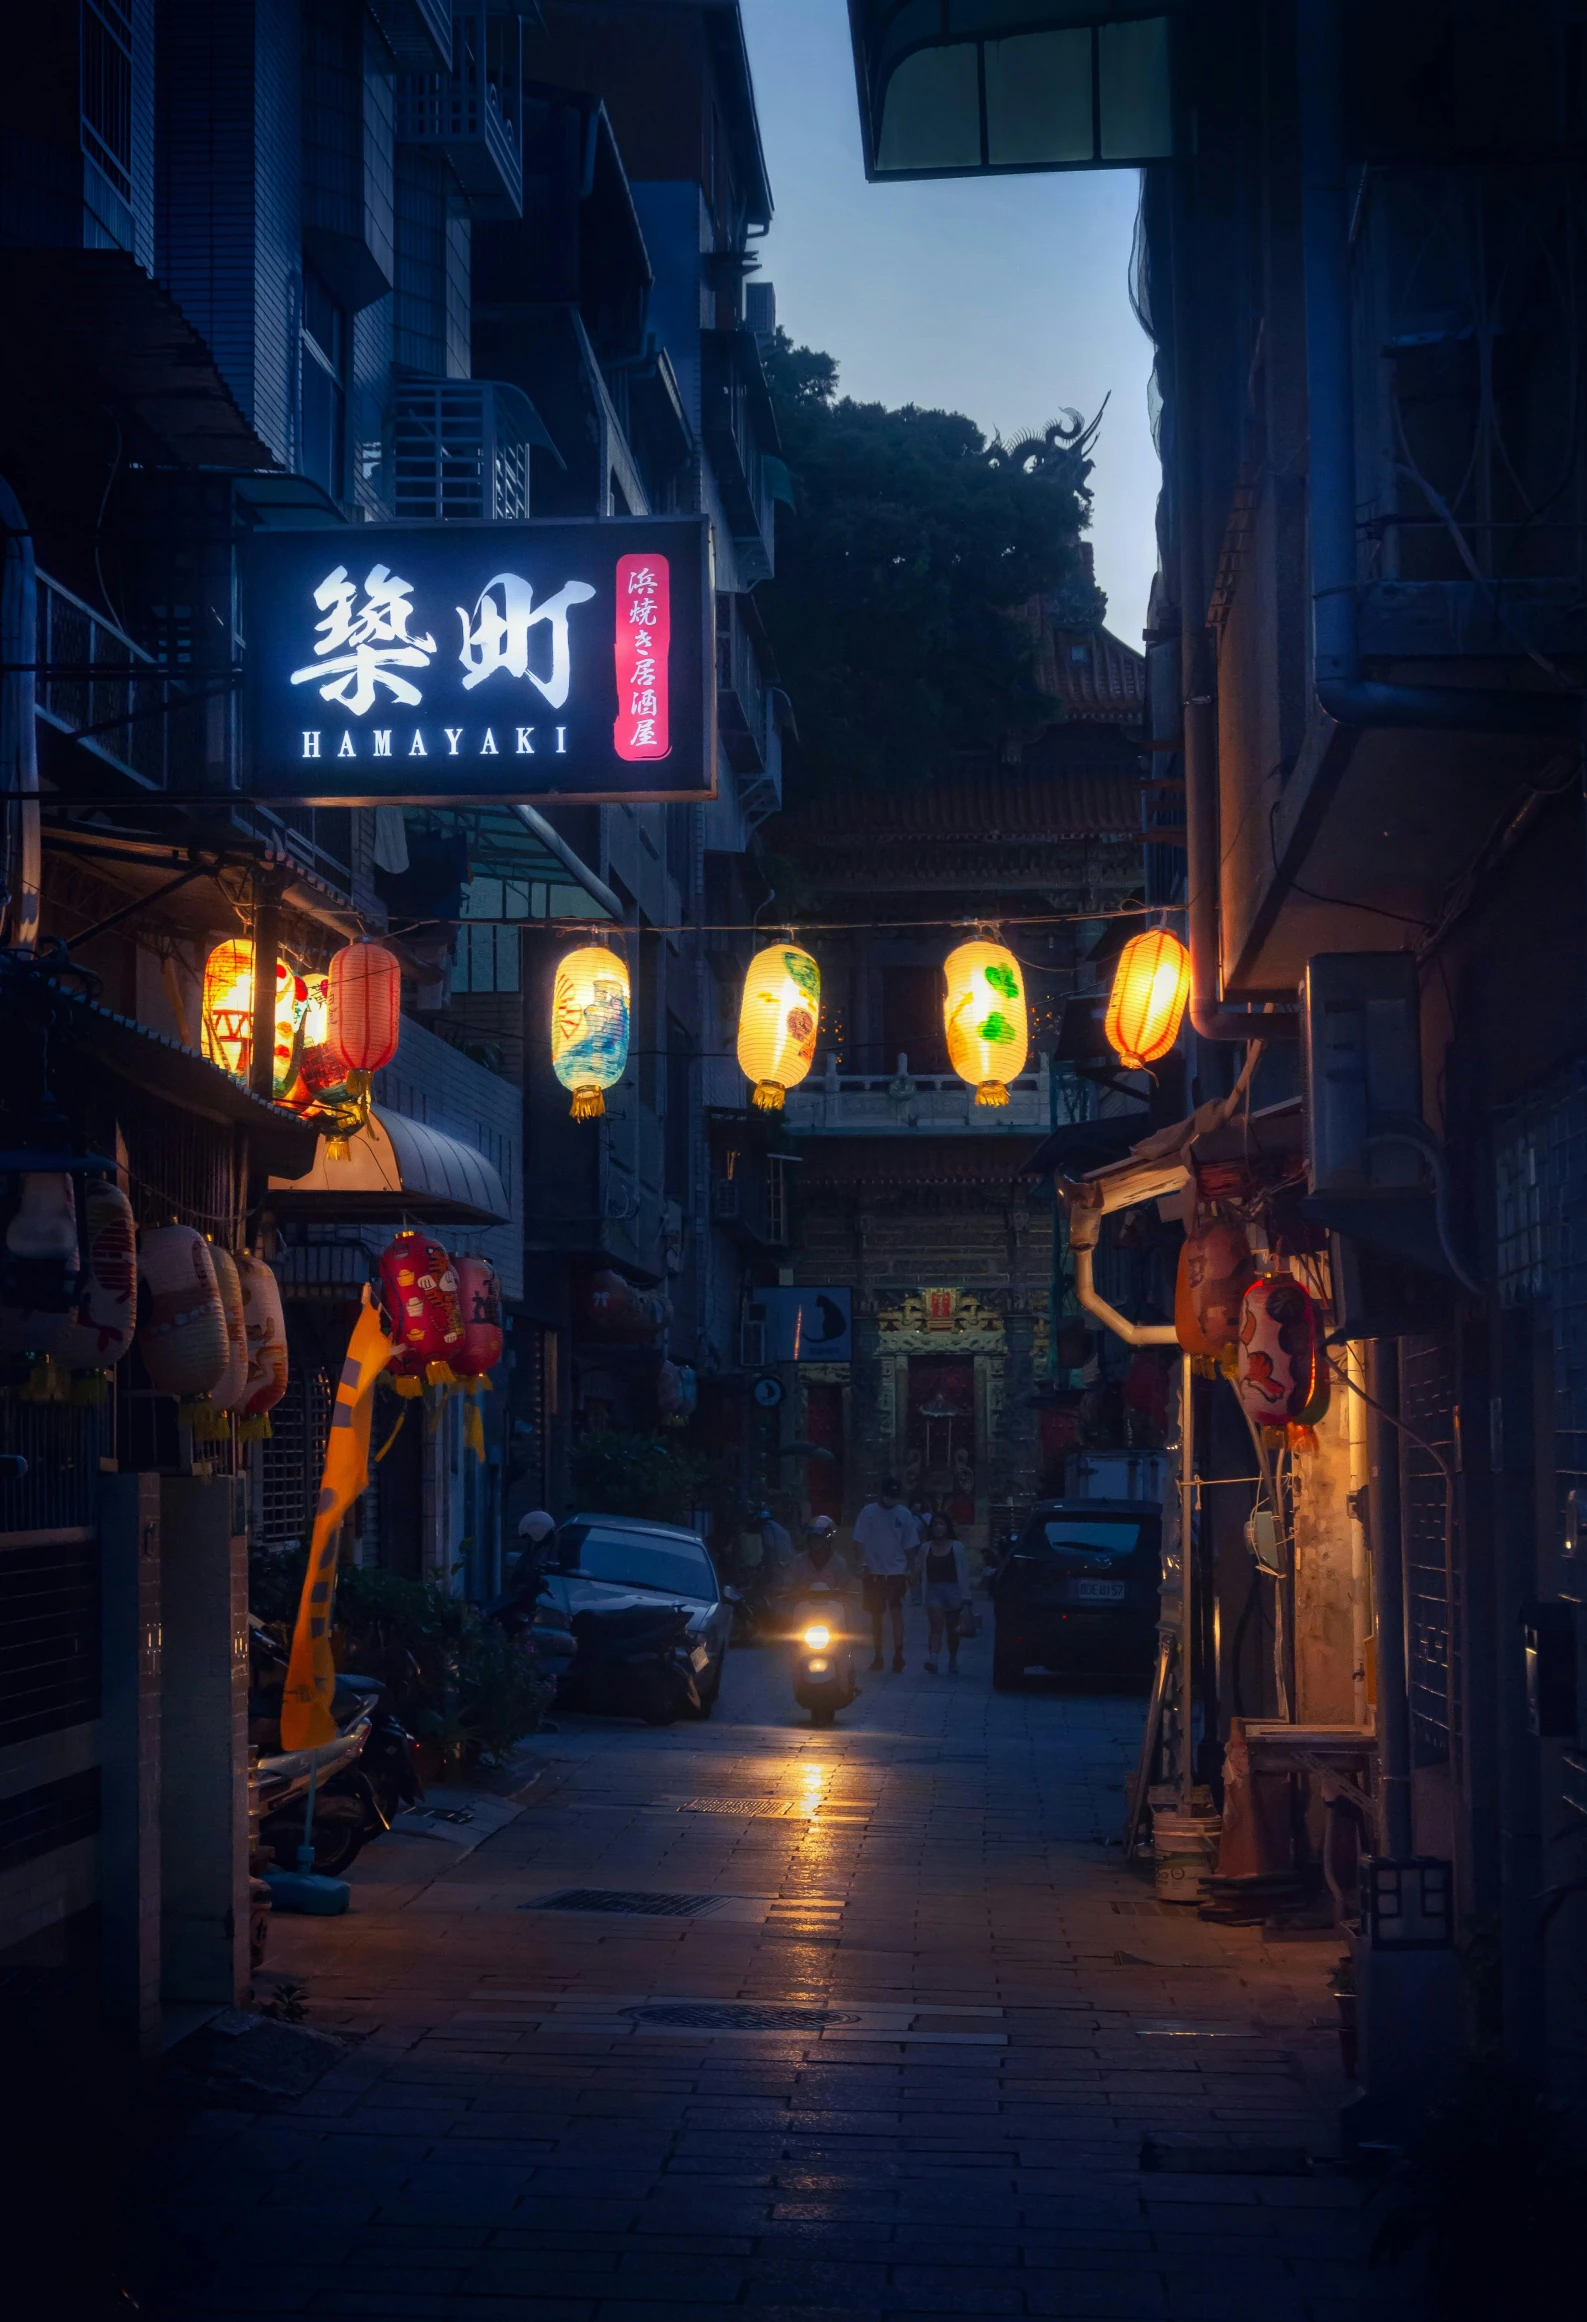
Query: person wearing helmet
{"x": 536, "y": 1528}
{"x": 819, "y": 1564}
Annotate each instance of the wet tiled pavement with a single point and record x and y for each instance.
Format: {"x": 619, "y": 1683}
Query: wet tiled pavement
{"x": 971, "y": 2026}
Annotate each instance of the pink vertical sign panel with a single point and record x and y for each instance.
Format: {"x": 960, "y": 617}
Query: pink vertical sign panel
{"x": 644, "y": 635}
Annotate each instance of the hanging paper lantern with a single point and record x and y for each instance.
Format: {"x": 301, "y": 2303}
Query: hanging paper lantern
{"x": 778, "y": 1022}
{"x": 265, "y": 1327}
{"x": 479, "y": 1301}
{"x": 182, "y": 1333}
{"x": 613, "y": 1308}
{"x": 228, "y": 1389}
{"x": 1215, "y": 1270}
{"x": 227, "y": 1026}
{"x": 40, "y": 1258}
{"x": 984, "y": 1016}
{"x": 1147, "y": 1003}
{"x": 1282, "y": 1377}
{"x": 98, "y": 1331}
{"x": 364, "y": 1007}
{"x": 419, "y": 1292}
{"x": 589, "y": 1026}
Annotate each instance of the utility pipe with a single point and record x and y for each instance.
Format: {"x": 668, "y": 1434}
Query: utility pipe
{"x": 581, "y": 873}
{"x": 1088, "y": 1205}
{"x": 19, "y": 758}
{"x": 1388, "y": 1597}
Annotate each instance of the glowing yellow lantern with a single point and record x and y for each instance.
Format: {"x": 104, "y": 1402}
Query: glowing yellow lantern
{"x": 984, "y": 1016}
{"x": 227, "y": 1028}
{"x": 589, "y": 1026}
{"x": 1147, "y": 1003}
{"x": 778, "y": 1022}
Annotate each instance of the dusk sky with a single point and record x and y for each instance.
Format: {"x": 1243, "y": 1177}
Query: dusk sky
{"x": 1005, "y": 298}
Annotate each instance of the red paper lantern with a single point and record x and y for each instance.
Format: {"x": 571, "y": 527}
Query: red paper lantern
{"x": 1283, "y": 1364}
{"x": 479, "y": 1299}
{"x": 419, "y": 1292}
{"x": 364, "y": 1007}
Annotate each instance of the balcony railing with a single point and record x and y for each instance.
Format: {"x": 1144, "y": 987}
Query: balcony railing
{"x": 472, "y": 113}
{"x": 740, "y": 432}
{"x": 842, "y": 1104}
{"x": 107, "y": 694}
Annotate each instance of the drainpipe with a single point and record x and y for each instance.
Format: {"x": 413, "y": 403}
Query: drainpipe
{"x": 19, "y": 762}
{"x": 1085, "y": 1222}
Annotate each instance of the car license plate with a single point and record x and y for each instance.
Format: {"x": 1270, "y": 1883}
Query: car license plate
{"x": 1099, "y": 1591}
{"x": 700, "y": 1657}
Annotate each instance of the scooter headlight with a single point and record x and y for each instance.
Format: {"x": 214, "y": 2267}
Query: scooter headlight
{"x": 818, "y": 1637}
{"x": 818, "y": 1667}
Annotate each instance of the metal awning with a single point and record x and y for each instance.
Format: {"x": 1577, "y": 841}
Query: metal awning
{"x": 398, "y": 1169}
{"x": 95, "y": 315}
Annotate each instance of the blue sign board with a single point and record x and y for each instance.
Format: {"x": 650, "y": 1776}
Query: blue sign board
{"x": 443, "y": 664}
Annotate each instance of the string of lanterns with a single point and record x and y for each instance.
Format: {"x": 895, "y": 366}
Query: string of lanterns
{"x": 985, "y": 1017}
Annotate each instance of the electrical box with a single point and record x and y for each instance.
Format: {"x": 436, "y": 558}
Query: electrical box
{"x": 1360, "y": 1020}
{"x": 1409, "y": 1905}
{"x": 1548, "y": 1639}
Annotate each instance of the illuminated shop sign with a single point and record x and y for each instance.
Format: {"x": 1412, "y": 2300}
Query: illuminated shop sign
{"x": 432, "y": 664}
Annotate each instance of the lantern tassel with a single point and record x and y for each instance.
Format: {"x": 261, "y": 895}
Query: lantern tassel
{"x": 991, "y": 1092}
{"x": 767, "y": 1096}
{"x": 256, "y": 1430}
{"x": 588, "y": 1103}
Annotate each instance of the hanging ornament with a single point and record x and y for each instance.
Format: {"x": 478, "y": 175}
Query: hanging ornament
{"x": 589, "y": 1026}
{"x": 182, "y": 1332}
{"x": 98, "y": 1331}
{"x": 364, "y": 1007}
{"x": 419, "y": 1292}
{"x": 479, "y": 1302}
{"x": 613, "y": 1308}
{"x": 983, "y": 1013}
{"x": 265, "y": 1328}
{"x": 778, "y": 1022}
{"x": 1215, "y": 1270}
{"x": 1282, "y": 1373}
{"x": 227, "y": 1027}
{"x": 1147, "y": 1003}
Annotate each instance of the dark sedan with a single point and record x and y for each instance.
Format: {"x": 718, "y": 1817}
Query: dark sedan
{"x": 1078, "y": 1590}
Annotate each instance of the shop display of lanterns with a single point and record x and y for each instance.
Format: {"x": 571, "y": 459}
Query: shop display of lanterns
{"x": 1147, "y": 1003}
{"x": 778, "y": 1022}
{"x": 98, "y": 1331}
{"x": 1215, "y": 1270}
{"x": 479, "y": 1302}
{"x": 590, "y": 1004}
{"x": 363, "y": 1009}
{"x": 983, "y": 1013}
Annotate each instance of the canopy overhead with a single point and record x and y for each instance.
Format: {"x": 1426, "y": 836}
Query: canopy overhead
{"x": 398, "y": 1169}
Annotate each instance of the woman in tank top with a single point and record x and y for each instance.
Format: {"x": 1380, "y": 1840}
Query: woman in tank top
{"x": 946, "y": 1585}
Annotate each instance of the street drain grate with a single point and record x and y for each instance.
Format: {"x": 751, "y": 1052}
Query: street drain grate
{"x": 782, "y": 1808}
{"x": 624, "y": 1902}
{"x": 731, "y": 2017}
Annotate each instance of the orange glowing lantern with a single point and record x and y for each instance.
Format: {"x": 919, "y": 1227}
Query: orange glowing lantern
{"x": 228, "y": 1014}
{"x": 363, "y": 1009}
{"x": 1147, "y": 1003}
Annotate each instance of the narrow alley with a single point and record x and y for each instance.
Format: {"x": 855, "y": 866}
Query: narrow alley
{"x": 862, "y": 2022}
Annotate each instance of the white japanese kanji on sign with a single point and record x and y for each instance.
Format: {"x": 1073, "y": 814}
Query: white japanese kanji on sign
{"x": 359, "y": 651}
{"x": 496, "y": 637}
{"x": 642, "y": 645}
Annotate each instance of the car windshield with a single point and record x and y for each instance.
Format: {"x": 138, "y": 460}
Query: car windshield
{"x": 634, "y": 1560}
{"x": 1083, "y": 1536}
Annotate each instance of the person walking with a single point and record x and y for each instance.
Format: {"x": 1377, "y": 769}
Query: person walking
{"x": 946, "y": 1589}
{"x": 888, "y": 1539}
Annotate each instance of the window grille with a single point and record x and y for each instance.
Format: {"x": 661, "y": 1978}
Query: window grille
{"x": 460, "y": 449}
{"x": 294, "y": 1457}
{"x": 1431, "y": 1518}
{"x": 106, "y": 91}
{"x": 486, "y": 959}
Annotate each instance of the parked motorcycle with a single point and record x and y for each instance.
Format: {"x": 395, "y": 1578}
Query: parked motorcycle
{"x": 823, "y": 1664}
{"x": 362, "y": 1779}
{"x": 632, "y": 1661}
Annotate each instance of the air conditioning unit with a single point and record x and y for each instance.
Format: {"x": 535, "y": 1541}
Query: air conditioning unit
{"x": 460, "y": 449}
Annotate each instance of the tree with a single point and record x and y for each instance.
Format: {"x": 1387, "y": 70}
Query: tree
{"x": 911, "y": 542}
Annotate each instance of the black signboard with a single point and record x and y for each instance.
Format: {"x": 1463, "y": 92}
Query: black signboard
{"x": 435, "y": 664}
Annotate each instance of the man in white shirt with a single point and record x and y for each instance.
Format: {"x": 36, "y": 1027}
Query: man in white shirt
{"x": 888, "y": 1539}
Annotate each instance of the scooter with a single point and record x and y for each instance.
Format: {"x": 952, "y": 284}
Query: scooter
{"x": 361, "y": 1779}
{"x": 632, "y": 1662}
{"x": 823, "y": 1669}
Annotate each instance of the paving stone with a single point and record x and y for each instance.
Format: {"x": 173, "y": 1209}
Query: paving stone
{"x": 563, "y": 2169}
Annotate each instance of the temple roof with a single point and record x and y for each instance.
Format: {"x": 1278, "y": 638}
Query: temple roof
{"x": 1099, "y": 679}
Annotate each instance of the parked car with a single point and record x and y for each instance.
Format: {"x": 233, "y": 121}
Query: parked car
{"x": 1078, "y": 1590}
{"x": 609, "y": 1566}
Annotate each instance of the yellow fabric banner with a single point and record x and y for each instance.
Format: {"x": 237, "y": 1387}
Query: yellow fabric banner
{"x": 306, "y": 1719}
